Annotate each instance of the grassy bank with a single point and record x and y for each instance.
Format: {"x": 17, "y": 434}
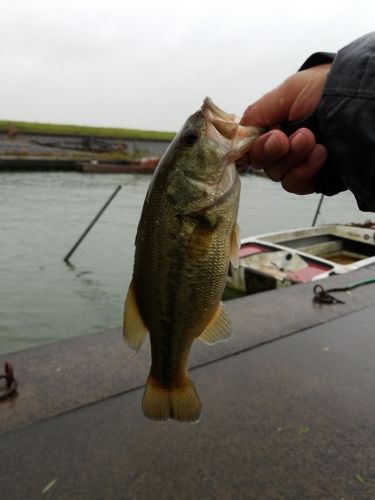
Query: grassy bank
{"x": 14, "y": 127}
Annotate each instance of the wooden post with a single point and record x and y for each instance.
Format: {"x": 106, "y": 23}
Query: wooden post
{"x": 317, "y": 210}
{"x": 95, "y": 219}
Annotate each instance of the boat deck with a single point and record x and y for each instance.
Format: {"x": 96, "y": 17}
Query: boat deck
{"x": 288, "y": 410}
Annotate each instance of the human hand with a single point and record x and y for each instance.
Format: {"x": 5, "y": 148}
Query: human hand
{"x": 294, "y": 161}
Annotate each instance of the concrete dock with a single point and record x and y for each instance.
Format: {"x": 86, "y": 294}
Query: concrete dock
{"x": 288, "y": 410}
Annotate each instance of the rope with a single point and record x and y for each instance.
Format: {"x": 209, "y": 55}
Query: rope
{"x": 324, "y": 296}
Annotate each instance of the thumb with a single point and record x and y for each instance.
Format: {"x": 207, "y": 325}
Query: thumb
{"x": 297, "y": 97}
{"x": 273, "y": 108}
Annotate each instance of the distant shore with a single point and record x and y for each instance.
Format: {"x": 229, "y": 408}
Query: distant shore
{"x": 37, "y": 147}
{"x": 28, "y": 147}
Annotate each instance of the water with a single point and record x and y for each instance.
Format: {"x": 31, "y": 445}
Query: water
{"x": 42, "y": 215}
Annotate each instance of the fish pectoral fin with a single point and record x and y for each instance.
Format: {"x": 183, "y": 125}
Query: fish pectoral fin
{"x": 219, "y": 328}
{"x": 134, "y": 328}
{"x": 235, "y": 244}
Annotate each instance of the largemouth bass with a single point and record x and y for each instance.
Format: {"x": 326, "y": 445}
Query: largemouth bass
{"x": 187, "y": 235}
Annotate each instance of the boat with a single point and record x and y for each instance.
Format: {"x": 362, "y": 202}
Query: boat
{"x": 285, "y": 258}
{"x": 141, "y": 166}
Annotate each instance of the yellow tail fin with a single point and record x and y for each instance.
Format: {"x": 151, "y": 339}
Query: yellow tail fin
{"x": 182, "y": 403}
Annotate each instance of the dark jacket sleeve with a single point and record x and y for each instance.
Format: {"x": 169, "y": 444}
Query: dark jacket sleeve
{"x": 346, "y": 121}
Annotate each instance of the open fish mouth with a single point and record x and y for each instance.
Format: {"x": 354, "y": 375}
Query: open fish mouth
{"x": 217, "y": 113}
{"x": 224, "y": 128}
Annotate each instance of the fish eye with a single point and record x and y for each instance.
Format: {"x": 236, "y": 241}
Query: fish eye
{"x": 190, "y": 137}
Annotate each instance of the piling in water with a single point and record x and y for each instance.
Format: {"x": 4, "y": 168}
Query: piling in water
{"x": 92, "y": 223}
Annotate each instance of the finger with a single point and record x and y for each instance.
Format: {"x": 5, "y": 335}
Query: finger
{"x": 268, "y": 149}
{"x": 301, "y": 144}
{"x": 302, "y": 178}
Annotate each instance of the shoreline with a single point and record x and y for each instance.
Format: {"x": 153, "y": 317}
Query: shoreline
{"x": 49, "y": 152}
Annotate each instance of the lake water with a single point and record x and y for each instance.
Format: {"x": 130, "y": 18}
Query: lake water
{"x": 42, "y": 215}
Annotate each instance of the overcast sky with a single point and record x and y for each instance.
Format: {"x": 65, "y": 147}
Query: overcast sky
{"x": 149, "y": 63}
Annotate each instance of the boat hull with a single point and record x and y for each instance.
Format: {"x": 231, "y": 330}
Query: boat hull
{"x": 285, "y": 258}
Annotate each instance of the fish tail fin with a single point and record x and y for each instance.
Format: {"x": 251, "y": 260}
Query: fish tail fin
{"x": 178, "y": 403}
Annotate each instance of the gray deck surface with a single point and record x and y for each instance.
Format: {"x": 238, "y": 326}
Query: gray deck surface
{"x": 288, "y": 411}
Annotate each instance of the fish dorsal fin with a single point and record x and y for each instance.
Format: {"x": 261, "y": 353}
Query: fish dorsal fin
{"x": 134, "y": 327}
{"x": 235, "y": 244}
{"x": 219, "y": 328}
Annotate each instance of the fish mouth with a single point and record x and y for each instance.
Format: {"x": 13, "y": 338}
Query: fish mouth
{"x": 225, "y": 130}
{"x": 210, "y": 106}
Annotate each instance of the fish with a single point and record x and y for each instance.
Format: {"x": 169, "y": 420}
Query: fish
{"x": 186, "y": 238}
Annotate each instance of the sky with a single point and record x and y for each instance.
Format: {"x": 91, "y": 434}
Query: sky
{"x": 149, "y": 64}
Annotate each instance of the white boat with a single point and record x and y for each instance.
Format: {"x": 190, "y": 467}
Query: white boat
{"x": 286, "y": 258}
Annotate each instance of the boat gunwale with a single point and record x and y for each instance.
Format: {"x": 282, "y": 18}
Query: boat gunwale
{"x": 328, "y": 229}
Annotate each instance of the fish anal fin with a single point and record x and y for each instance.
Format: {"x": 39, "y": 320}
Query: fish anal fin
{"x": 180, "y": 403}
{"x": 235, "y": 244}
{"x": 134, "y": 327}
{"x": 219, "y": 328}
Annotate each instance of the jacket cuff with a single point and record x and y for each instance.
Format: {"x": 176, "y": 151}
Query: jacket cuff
{"x": 318, "y": 58}
{"x": 328, "y": 180}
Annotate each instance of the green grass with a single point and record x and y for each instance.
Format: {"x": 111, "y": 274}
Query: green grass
{"x": 77, "y": 130}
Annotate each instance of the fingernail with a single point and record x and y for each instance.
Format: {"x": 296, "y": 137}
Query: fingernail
{"x": 272, "y": 145}
{"x": 298, "y": 143}
{"x": 318, "y": 155}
